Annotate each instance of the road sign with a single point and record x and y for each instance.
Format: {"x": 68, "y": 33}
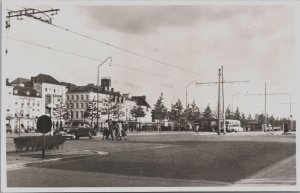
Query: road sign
{"x": 44, "y": 124}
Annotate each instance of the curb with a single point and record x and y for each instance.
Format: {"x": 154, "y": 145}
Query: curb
{"x": 28, "y": 164}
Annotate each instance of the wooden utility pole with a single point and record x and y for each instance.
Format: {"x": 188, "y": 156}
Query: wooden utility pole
{"x": 265, "y": 105}
{"x": 219, "y": 87}
{"x": 291, "y": 116}
{"x": 221, "y": 81}
{"x": 224, "y": 121}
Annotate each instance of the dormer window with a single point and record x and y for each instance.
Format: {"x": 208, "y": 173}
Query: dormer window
{"x": 15, "y": 91}
{"x": 27, "y": 93}
{"x": 37, "y": 94}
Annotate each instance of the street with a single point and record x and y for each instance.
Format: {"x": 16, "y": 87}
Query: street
{"x": 181, "y": 159}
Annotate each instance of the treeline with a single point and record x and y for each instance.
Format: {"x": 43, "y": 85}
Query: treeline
{"x": 178, "y": 114}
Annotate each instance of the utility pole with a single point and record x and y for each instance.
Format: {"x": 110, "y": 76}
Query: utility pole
{"x": 186, "y": 99}
{"x": 220, "y": 74}
{"x": 219, "y": 87}
{"x": 291, "y": 116}
{"x": 224, "y": 121}
{"x": 33, "y": 13}
{"x": 265, "y": 105}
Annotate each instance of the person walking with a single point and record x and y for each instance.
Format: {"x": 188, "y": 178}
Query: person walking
{"x": 111, "y": 129}
{"x": 119, "y": 128}
{"x": 197, "y": 128}
{"x": 285, "y": 129}
{"x": 124, "y": 129}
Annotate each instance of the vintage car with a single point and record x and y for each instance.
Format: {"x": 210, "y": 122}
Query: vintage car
{"x": 75, "y": 130}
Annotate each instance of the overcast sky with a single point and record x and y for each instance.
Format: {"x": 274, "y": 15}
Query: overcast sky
{"x": 256, "y": 43}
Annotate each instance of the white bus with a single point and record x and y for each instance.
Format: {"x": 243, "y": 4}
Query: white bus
{"x": 233, "y": 125}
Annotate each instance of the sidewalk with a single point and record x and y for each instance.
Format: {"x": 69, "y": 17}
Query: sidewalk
{"x": 281, "y": 173}
{"x": 16, "y": 160}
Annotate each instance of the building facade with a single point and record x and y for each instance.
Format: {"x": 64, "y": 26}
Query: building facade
{"x": 23, "y": 106}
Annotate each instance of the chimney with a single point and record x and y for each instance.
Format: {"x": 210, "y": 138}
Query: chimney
{"x": 106, "y": 83}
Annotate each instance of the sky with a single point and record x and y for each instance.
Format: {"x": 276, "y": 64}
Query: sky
{"x": 255, "y": 43}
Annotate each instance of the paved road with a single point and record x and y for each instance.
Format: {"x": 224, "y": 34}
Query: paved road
{"x": 165, "y": 160}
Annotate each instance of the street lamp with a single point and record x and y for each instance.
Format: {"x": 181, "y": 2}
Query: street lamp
{"x": 109, "y": 58}
{"x": 186, "y": 97}
{"x": 233, "y": 98}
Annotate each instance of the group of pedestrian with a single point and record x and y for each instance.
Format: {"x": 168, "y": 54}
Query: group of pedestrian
{"x": 113, "y": 130}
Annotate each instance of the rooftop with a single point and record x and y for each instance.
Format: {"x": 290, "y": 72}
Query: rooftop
{"x": 25, "y": 91}
{"x": 44, "y": 78}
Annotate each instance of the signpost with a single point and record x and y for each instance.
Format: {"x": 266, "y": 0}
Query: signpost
{"x": 44, "y": 125}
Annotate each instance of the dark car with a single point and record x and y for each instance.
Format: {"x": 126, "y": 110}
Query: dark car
{"x": 75, "y": 130}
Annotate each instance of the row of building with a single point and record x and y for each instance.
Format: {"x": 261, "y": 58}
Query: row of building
{"x": 28, "y": 99}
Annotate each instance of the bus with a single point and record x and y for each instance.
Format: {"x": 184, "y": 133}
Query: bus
{"x": 233, "y": 125}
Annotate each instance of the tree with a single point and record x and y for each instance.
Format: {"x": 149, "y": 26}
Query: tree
{"x": 176, "y": 112}
{"x": 237, "y": 114}
{"x": 228, "y": 113}
{"x": 60, "y": 110}
{"x": 249, "y": 117}
{"x": 111, "y": 106}
{"x": 207, "y": 117}
{"x": 159, "y": 111}
{"x": 138, "y": 112}
{"x": 91, "y": 111}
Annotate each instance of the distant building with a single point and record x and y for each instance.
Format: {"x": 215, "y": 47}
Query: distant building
{"x": 22, "y": 105}
{"x": 52, "y": 92}
{"x": 78, "y": 99}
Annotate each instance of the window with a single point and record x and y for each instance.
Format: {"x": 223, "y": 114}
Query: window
{"x": 67, "y": 105}
{"x": 33, "y": 104}
{"x": 81, "y": 97}
{"x": 28, "y": 104}
{"x": 16, "y": 103}
{"x": 72, "y": 96}
{"x": 81, "y": 113}
{"x": 33, "y": 110}
{"x": 68, "y": 97}
{"x": 77, "y": 97}
{"x": 54, "y": 90}
{"x": 38, "y": 104}
{"x": 87, "y": 97}
{"x": 81, "y": 105}
{"x": 46, "y": 89}
{"x": 77, "y": 105}
{"x": 76, "y": 114}
{"x": 87, "y": 105}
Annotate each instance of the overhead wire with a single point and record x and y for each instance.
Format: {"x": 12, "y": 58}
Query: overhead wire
{"x": 125, "y": 50}
{"x": 91, "y": 58}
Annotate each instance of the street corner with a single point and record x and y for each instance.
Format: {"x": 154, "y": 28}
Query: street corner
{"x": 20, "y": 160}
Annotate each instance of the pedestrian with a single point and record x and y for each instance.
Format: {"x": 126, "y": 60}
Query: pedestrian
{"x": 285, "y": 129}
{"x": 111, "y": 129}
{"x": 119, "y": 128}
{"x": 61, "y": 125}
{"x": 197, "y": 128}
{"x": 57, "y": 125}
{"x": 105, "y": 134}
{"x": 124, "y": 133}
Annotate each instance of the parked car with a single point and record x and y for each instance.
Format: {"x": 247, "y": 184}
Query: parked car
{"x": 75, "y": 130}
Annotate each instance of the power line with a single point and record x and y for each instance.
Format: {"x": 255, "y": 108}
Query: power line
{"x": 91, "y": 58}
{"x": 30, "y": 13}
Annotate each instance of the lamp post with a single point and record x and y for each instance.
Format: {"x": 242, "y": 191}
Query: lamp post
{"x": 109, "y": 58}
{"x": 232, "y": 99}
{"x": 186, "y": 98}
